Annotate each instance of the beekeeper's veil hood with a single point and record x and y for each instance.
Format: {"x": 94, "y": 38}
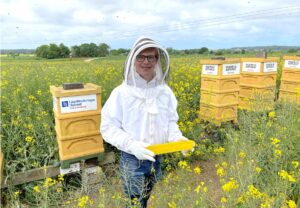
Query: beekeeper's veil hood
{"x": 162, "y": 65}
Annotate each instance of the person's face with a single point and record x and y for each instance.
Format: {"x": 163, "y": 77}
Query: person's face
{"x": 145, "y": 63}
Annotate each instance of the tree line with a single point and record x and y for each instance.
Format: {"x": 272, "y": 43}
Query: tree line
{"x": 52, "y": 51}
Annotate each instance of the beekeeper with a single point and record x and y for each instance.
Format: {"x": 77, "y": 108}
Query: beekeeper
{"x": 141, "y": 112}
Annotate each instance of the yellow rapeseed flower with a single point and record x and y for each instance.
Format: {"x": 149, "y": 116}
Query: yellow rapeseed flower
{"x": 275, "y": 141}
{"x": 35, "y": 164}
{"x": 197, "y": 189}
{"x": 295, "y": 164}
{"x": 221, "y": 171}
{"x": 254, "y": 192}
{"x": 230, "y": 185}
{"x": 258, "y": 169}
{"x": 84, "y": 200}
{"x": 60, "y": 178}
{"x": 49, "y": 182}
{"x": 36, "y": 189}
{"x": 219, "y": 150}
{"x": 101, "y": 190}
{"x": 286, "y": 176}
{"x": 265, "y": 204}
{"x": 31, "y": 98}
{"x": 272, "y": 114}
{"x": 241, "y": 199}
{"x": 277, "y": 152}
{"x": 172, "y": 205}
{"x": 197, "y": 170}
{"x": 242, "y": 154}
{"x": 224, "y": 164}
{"x": 29, "y": 139}
{"x": 182, "y": 164}
{"x": 17, "y": 193}
{"x": 223, "y": 200}
{"x": 39, "y": 92}
{"x": 292, "y": 204}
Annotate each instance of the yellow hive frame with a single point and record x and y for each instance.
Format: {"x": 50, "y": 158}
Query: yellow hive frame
{"x": 172, "y": 147}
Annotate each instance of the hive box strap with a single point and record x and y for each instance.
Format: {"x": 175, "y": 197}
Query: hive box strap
{"x": 171, "y": 147}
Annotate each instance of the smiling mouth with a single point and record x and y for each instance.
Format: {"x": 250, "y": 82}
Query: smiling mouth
{"x": 146, "y": 68}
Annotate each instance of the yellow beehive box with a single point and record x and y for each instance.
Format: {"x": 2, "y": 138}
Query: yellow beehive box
{"x": 76, "y": 100}
{"x": 292, "y": 86}
{"x": 260, "y": 80}
{"x": 220, "y": 85}
{"x": 290, "y": 75}
{"x": 291, "y": 62}
{"x": 256, "y": 105}
{"x": 80, "y": 147}
{"x": 219, "y": 98}
{"x": 288, "y": 96}
{"x": 218, "y": 114}
{"x": 220, "y": 68}
{"x": 170, "y": 147}
{"x": 77, "y": 125}
{"x": 259, "y": 93}
{"x": 259, "y": 65}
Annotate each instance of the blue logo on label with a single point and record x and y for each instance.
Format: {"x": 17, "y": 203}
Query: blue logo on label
{"x": 65, "y": 103}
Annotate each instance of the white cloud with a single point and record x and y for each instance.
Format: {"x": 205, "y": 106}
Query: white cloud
{"x": 88, "y": 17}
{"x": 179, "y": 24}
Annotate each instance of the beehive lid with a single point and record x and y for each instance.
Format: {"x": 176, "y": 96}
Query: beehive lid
{"x": 291, "y": 57}
{"x": 270, "y": 59}
{"x": 220, "y": 61}
{"x": 88, "y": 89}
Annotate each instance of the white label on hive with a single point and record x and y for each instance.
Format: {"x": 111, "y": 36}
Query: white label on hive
{"x": 251, "y": 67}
{"x": 54, "y": 103}
{"x": 270, "y": 67}
{"x": 78, "y": 103}
{"x": 75, "y": 167}
{"x": 231, "y": 69}
{"x": 294, "y": 64}
{"x": 210, "y": 69}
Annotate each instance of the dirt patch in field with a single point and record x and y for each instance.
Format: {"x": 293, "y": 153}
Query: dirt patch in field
{"x": 90, "y": 59}
{"x": 209, "y": 177}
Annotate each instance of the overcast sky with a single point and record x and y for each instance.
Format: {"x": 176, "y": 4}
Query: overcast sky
{"x": 180, "y": 24}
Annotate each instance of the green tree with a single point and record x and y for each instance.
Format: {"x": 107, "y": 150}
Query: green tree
{"x": 103, "y": 49}
{"x": 75, "y": 51}
{"x": 292, "y": 50}
{"x": 203, "y": 50}
{"x": 120, "y": 51}
{"x": 54, "y": 51}
{"x": 64, "y": 51}
{"x": 219, "y": 52}
{"x": 42, "y": 51}
{"x": 88, "y": 50}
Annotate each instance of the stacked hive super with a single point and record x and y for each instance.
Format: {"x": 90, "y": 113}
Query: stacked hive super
{"x": 290, "y": 80}
{"x": 219, "y": 90}
{"x": 258, "y": 83}
{"x": 77, "y": 123}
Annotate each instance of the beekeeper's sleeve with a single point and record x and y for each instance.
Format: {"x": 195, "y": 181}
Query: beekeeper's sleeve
{"x": 174, "y": 133}
{"x": 111, "y": 119}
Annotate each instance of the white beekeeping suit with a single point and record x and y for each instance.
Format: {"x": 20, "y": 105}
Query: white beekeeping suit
{"x": 139, "y": 113}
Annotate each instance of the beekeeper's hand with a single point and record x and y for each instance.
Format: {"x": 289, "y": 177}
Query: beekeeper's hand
{"x": 138, "y": 149}
{"x": 185, "y": 152}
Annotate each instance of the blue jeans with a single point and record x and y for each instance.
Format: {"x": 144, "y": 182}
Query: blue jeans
{"x": 138, "y": 177}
